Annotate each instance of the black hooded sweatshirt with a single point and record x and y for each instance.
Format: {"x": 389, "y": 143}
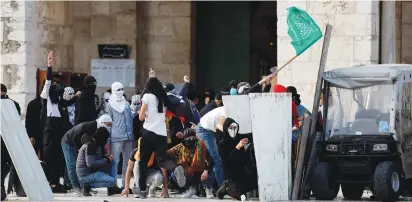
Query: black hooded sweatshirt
{"x": 90, "y": 158}
{"x": 85, "y": 104}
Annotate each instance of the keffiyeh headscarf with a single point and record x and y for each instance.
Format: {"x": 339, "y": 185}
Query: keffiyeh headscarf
{"x": 68, "y": 93}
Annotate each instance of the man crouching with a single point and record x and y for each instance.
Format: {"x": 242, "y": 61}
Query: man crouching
{"x": 91, "y": 164}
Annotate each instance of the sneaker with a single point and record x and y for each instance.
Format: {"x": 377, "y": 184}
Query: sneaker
{"x": 93, "y": 191}
{"x": 113, "y": 190}
{"x": 180, "y": 176}
{"x": 77, "y": 192}
{"x": 189, "y": 193}
{"x": 221, "y": 192}
{"x": 59, "y": 189}
{"x": 152, "y": 193}
{"x": 209, "y": 193}
{"x": 86, "y": 190}
{"x": 141, "y": 194}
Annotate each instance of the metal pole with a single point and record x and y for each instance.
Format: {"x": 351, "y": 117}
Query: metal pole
{"x": 315, "y": 109}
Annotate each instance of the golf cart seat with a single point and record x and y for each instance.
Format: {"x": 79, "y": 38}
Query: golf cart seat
{"x": 365, "y": 122}
{"x": 367, "y": 114}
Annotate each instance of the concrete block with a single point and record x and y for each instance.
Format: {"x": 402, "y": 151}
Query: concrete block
{"x": 282, "y": 26}
{"x": 406, "y": 35}
{"x": 272, "y": 130}
{"x": 100, "y": 8}
{"x": 126, "y": 25}
{"x": 103, "y": 26}
{"x": 67, "y": 36}
{"x": 54, "y": 12}
{"x": 331, "y": 7}
{"x": 178, "y": 71}
{"x": 122, "y": 7}
{"x": 305, "y": 72}
{"x": 153, "y": 51}
{"x": 149, "y": 8}
{"x": 176, "y": 53}
{"x": 406, "y": 12}
{"x": 238, "y": 108}
{"x": 175, "y": 8}
{"x": 81, "y": 57}
{"x": 81, "y": 29}
{"x": 82, "y": 8}
{"x": 340, "y": 49}
{"x": 365, "y": 25}
{"x": 366, "y": 50}
{"x": 285, "y": 49}
{"x": 182, "y": 26}
{"x": 160, "y": 27}
{"x": 367, "y": 7}
{"x": 282, "y": 6}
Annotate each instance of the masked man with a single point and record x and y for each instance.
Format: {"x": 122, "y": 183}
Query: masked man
{"x": 92, "y": 165}
{"x": 193, "y": 156}
{"x": 85, "y": 104}
{"x": 71, "y": 143}
{"x": 53, "y": 131}
{"x": 239, "y": 162}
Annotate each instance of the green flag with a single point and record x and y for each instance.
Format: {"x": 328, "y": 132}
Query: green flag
{"x": 302, "y": 29}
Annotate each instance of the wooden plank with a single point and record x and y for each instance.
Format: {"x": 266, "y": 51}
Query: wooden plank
{"x": 238, "y": 108}
{"x": 272, "y": 136}
{"x": 297, "y": 183}
{"x": 313, "y": 158}
{"x": 22, "y": 154}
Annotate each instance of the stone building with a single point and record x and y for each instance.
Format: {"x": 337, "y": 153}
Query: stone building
{"x": 213, "y": 42}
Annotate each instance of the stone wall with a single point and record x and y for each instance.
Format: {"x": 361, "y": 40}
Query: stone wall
{"x": 164, "y": 39}
{"x": 18, "y": 42}
{"x": 54, "y": 25}
{"x": 405, "y": 31}
{"x": 355, "y": 40}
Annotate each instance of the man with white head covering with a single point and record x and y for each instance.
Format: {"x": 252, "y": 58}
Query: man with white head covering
{"x": 121, "y": 139}
{"x": 104, "y": 104}
{"x": 68, "y": 108}
{"x": 71, "y": 143}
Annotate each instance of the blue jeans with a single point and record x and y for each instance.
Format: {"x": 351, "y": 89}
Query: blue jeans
{"x": 70, "y": 155}
{"x": 98, "y": 179}
{"x": 124, "y": 147}
{"x": 209, "y": 138}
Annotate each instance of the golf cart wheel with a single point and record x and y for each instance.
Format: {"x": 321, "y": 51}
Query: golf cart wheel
{"x": 387, "y": 181}
{"x": 322, "y": 183}
{"x": 352, "y": 191}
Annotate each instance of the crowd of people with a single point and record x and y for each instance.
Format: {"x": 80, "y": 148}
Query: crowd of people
{"x": 164, "y": 137}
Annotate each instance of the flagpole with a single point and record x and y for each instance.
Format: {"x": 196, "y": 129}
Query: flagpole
{"x": 291, "y": 59}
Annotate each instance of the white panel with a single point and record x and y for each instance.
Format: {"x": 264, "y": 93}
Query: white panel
{"x": 272, "y": 136}
{"x": 22, "y": 153}
{"x": 238, "y": 108}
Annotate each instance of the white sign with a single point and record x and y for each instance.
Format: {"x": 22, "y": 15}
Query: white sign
{"x": 107, "y": 71}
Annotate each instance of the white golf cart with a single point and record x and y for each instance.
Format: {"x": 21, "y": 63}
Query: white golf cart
{"x": 367, "y": 135}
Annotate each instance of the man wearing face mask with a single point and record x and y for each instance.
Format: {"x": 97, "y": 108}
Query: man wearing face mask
{"x": 198, "y": 164}
{"x": 71, "y": 143}
{"x": 91, "y": 164}
{"x": 86, "y": 104}
{"x": 239, "y": 162}
{"x": 103, "y": 104}
{"x": 121, "y": 139}
{"x": 53, "y": 132}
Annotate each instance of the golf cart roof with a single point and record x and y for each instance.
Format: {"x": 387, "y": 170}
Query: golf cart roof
{"x": 364, "y": 75}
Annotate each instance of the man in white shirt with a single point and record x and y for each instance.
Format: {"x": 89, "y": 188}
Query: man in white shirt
{"x": 206, "y": 131}
{"x": 53, "y": 133}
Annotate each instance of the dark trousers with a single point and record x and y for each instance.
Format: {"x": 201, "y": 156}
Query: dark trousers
{"x": 5, "y": 167}
{"x": 52, "y": 150}
{"x": 151, "y": 142}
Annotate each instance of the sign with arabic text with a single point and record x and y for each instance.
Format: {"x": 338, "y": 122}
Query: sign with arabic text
{"x": 113, "y": 51}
